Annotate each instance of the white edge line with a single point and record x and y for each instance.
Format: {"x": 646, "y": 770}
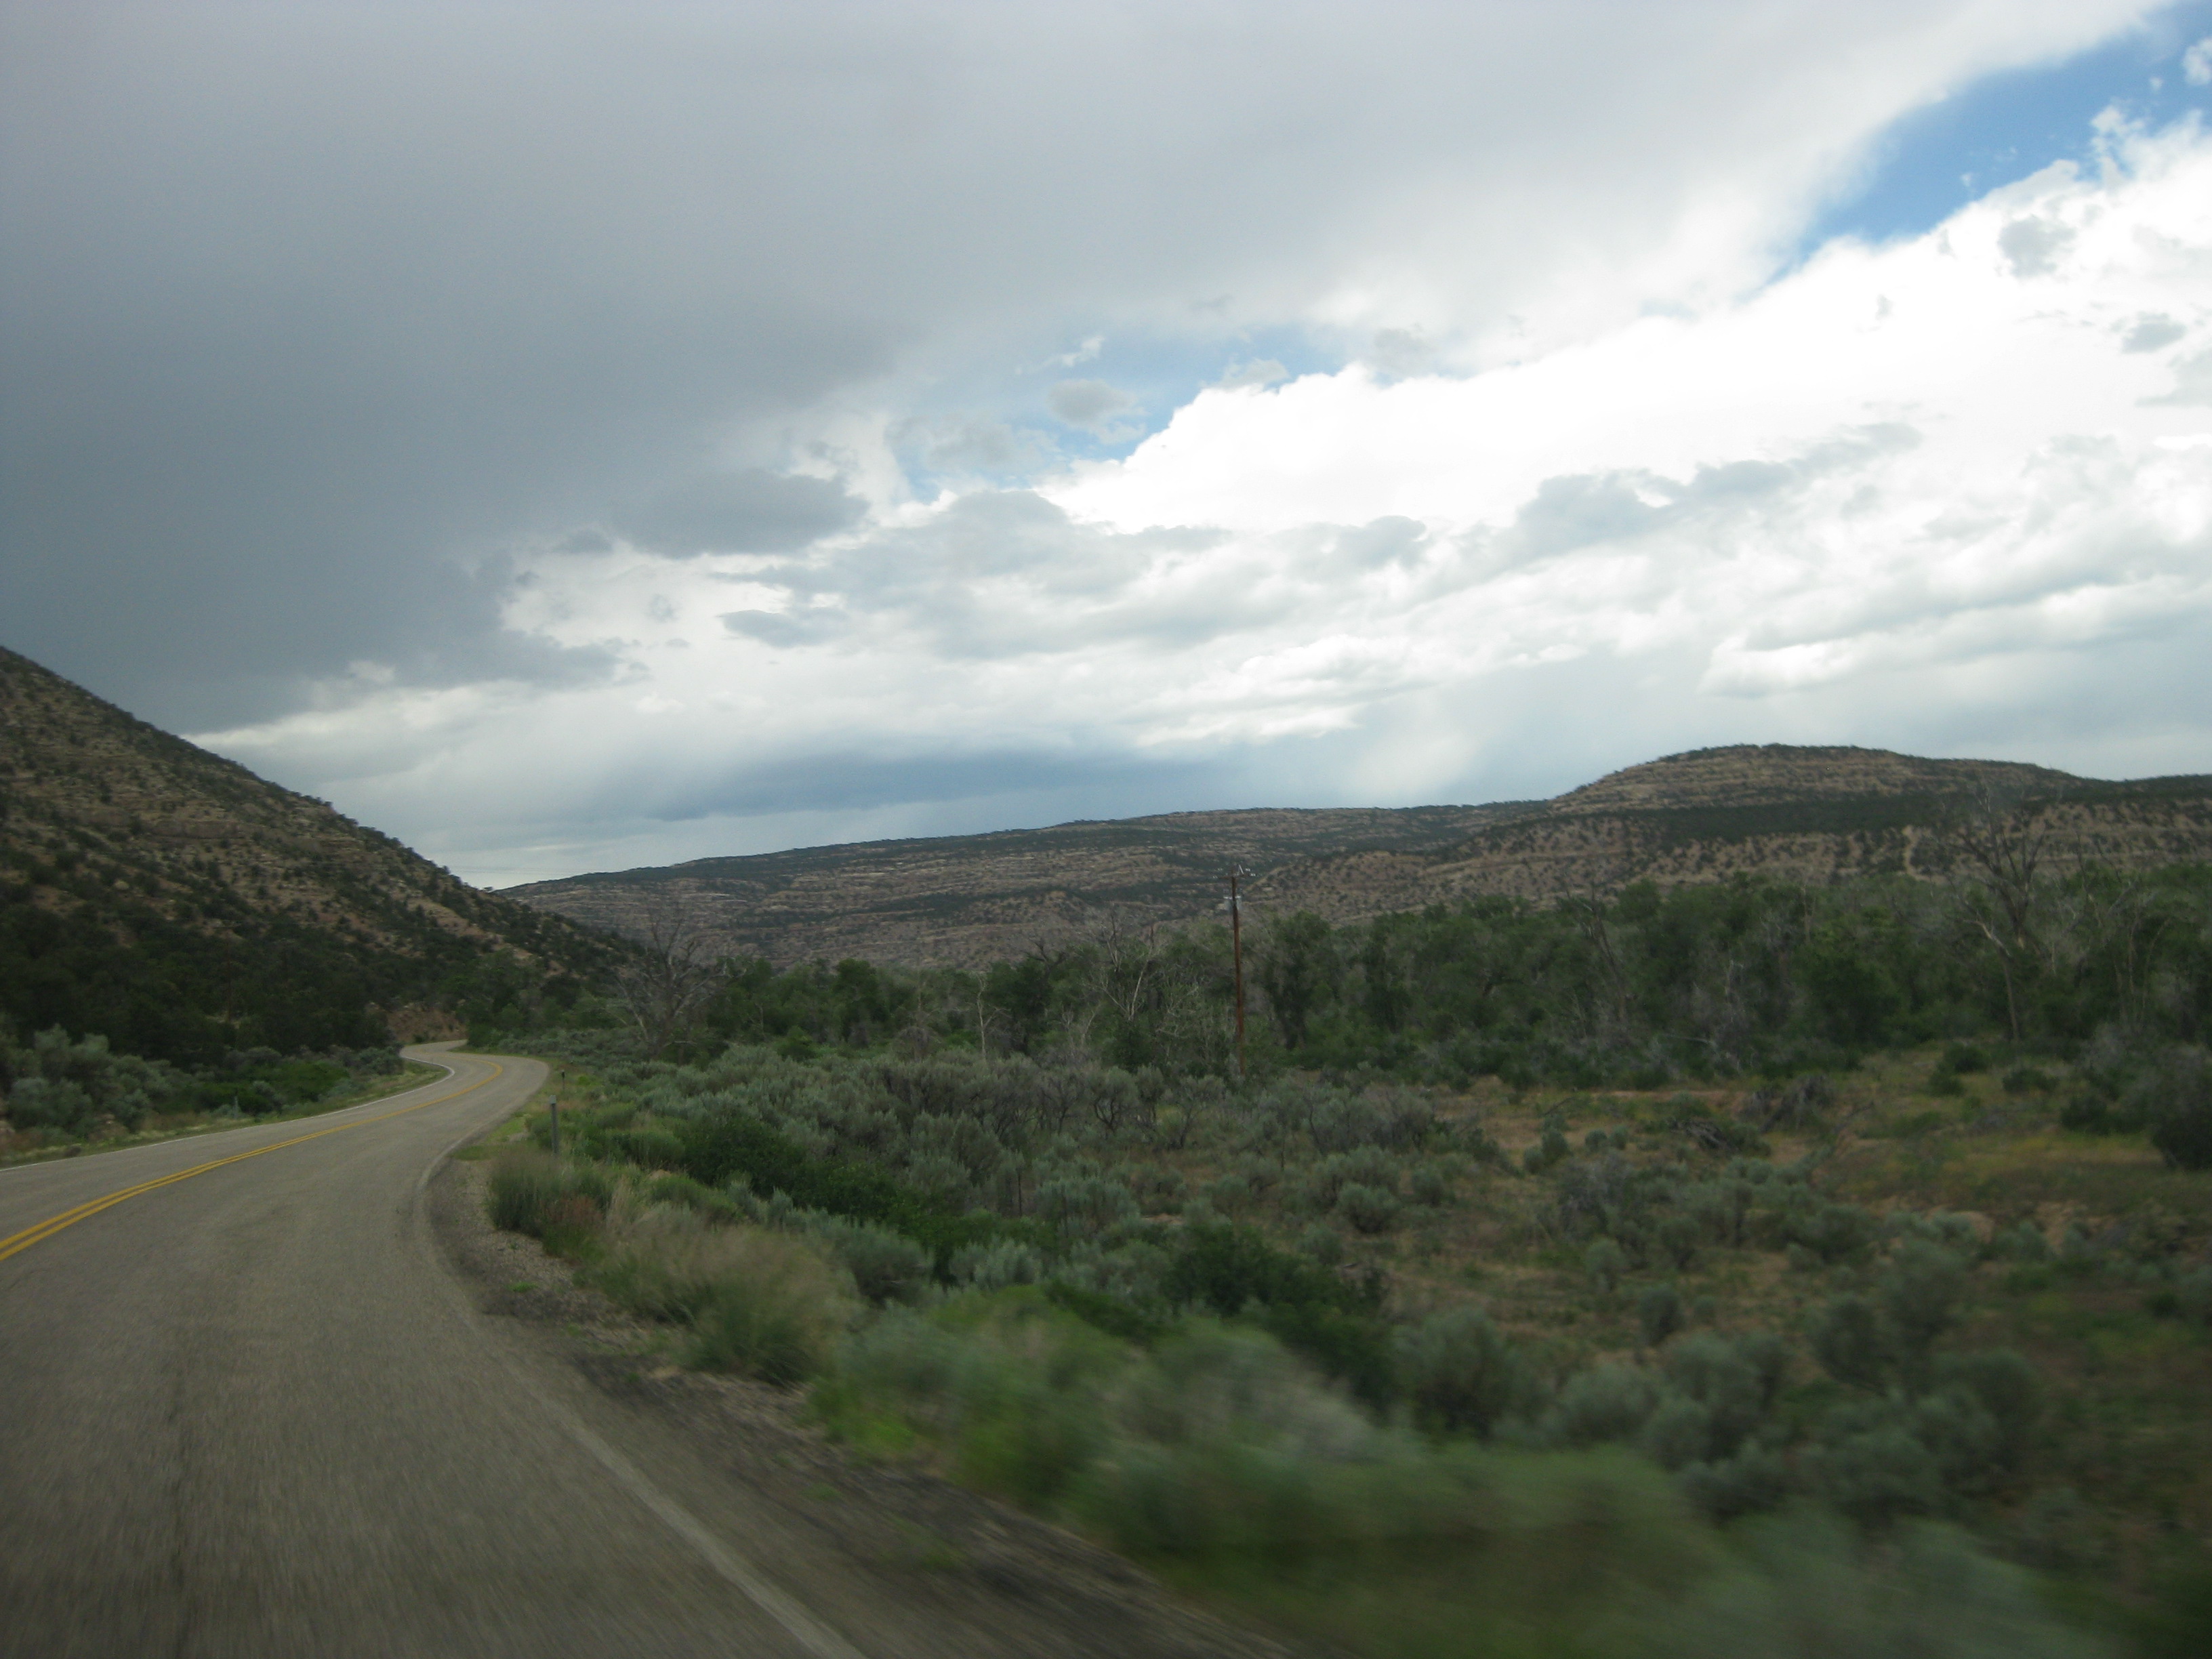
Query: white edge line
{"x": 810, "y": 1634}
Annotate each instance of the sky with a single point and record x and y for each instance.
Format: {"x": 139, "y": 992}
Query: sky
{"x": 581, "y": 437}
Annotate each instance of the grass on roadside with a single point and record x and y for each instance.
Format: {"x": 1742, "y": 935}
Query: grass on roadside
{"x": 749, "y": 1300}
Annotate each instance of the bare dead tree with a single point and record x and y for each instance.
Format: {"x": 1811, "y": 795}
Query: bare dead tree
{"x": 1589, "y": 914}
{"x": 2002, "y": 844}
{"x": 667, "y": 986}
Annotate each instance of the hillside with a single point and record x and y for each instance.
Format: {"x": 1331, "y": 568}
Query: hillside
{"x": 1814, "y": 814}
{"x": 972, "y": 899}
{"x": 173, "y": 901}
{"x": 1801, "y": 814}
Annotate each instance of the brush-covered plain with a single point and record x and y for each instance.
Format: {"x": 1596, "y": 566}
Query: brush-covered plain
{"x": 1909, "y": 1358}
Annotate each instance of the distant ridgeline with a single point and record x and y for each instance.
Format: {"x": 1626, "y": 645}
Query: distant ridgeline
{"x": 1804, "y": 815}
{"x": 183, "y": 908}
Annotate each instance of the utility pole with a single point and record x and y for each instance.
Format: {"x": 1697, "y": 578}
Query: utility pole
{"x": 1236, "y": 956}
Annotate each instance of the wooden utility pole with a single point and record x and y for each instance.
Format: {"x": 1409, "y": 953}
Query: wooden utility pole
{"x": 1236, "y": 956}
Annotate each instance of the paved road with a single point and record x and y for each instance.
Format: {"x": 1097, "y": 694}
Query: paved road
{"x": 248, "y": 1411}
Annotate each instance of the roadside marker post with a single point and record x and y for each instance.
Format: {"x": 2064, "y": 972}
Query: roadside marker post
{"x": 554, "y": 1106}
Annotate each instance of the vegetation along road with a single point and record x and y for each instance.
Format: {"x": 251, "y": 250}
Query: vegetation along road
{"x": 246, "y": 1408}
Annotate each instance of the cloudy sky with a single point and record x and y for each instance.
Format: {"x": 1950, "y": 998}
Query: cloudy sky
{"x": 575, "y": 437}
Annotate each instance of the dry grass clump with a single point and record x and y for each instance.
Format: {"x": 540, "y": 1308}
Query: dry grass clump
{"x": 762, "y": 1302}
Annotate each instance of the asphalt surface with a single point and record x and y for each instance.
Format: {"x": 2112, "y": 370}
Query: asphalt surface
{"x": 249, "y": 1411}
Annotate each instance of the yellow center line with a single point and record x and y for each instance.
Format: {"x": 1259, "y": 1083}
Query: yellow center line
{"x": 52, "y": 1225}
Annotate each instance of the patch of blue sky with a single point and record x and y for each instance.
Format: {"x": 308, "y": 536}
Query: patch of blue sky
{"x": 1020, "y": 435}
{"x": 2005, "y": 127}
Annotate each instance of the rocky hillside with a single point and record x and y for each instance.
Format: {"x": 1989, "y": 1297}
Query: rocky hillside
{"x": 1801, "y": 814}
{"x": 1814, "y": 814}
{"x": 173, "y": 901}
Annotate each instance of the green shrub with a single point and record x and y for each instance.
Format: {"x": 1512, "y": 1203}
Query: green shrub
{"x": 1850, "y": 1341}
{"x": 2175, "y": 1098}
{"x": 1431, "y": 1183}
{"x": 722, "y": 1147}
{"x": 1351, "y": 1347}
{"x": 1392, "y": 1549}
{"x": 302, "y": 1081}
{"x": 2092, "y": 1114}
{"x": 1679, "y": 1237}
{"x": 1227, "y": 1270}
{"x": 682, "y": 1189}
{"x": 1604, "y": 1261}
{"x": 1323, "y": 1243}
{"x": 1867, "y": 1461}
{"x": 1658, "y": 1313}
{"x": 1605, "y": 1403}
{"x": 1365, "y": 1166}
{"x": 38, "y": 1103}
{"x": 995, "y": 1266}
{"x": 522, "y": 1188}
{"x": 2022, "y": 1242}
{"x": 1080, "y": 1206}
{"x": 1804, "y": 1587}
{"x": 562, "y": 1204}
{"x": 1114, "y": 1315}
{"x": 1755, "y": 1479}
{"x": 1005, "y": 1391}
{"x": 649, "y": 1147}
{"x": 1736, "y": 1379}
{"x": 1459, "y": 1374}
{"x": 885, "y": 1266}
{"x": 1964, "y": 1059}
{"x": 2007, "y": 1388}
{"x": 1721, "y": 1209}
{"x": 1920, "y": 1291}
{"x": 1719, "y": 1392}
{"x": 1552, "y": 1150}
{"x": 1369, "y": 1209}
{"x": 756, "y": 1301}
{"x": 1832, "y": 1232}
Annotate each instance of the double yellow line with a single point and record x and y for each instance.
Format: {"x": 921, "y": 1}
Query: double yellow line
{"x": 52, "y": 1225}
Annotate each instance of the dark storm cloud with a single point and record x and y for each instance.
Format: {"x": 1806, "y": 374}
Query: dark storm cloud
{"x": 312, "y": 308}
{"x": 311, "y": 312}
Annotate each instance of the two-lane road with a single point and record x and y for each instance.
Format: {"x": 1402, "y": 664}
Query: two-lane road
{"x": 244, "y": 1410}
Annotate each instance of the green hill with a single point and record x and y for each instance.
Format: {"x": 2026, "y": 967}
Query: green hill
{"x": 182, "y": 907}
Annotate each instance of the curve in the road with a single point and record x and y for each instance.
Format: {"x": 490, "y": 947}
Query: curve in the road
{"x": 43, "y": 1230}
{"x": 265, "y": 1415}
